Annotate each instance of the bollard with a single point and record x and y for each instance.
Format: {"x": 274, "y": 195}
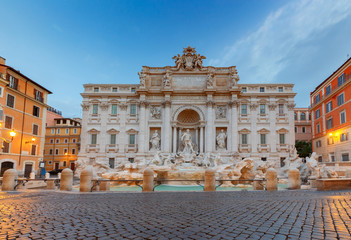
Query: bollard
{"x": 9, "y": 180}
{"x": 47, "y": 175}
{"x": 66, "y": 180}
{"x": 348, "y": 173}
{"x": 258, "y": 185}
{"x": 32, "y": 175}
{"x": 50, "y": 184}
{"x": 148, "y": 180}
{"x": 86, "y": 180}
{"x": 59, "y": 175}
{"x": 294, "y": 181}
{"x": 271, "y": 180}
{"x": 210, "y": 180}
{"x": 105, "y": 186}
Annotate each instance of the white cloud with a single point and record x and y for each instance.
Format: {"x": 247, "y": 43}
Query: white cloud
{"x": 263, "y": 54}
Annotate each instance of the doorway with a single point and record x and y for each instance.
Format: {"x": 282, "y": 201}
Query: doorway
{"x": 5, "y": 166}
{"x": 28, "y": 167}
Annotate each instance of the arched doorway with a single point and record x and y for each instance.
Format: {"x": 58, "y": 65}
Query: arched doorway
{"x": 5, "y": 166}
{"x": 188, "y": 120}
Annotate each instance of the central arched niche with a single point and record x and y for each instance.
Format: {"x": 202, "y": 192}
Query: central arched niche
{"x": 188, "y": 119}
{"x": 188, "y": 116}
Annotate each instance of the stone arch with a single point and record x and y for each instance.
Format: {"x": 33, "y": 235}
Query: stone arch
{"x": 182, "y": 108}
{"x": 6, "y": 164}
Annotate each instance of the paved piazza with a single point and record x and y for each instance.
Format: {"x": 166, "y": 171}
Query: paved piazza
{"x": 176, "y": 215}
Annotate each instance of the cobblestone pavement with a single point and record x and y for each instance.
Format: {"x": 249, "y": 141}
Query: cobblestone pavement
{"x": 176, "y": 215}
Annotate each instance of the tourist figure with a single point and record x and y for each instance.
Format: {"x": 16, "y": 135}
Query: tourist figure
{"x": 221, "y": 139}
{"x": 187, "y": 143}
{"x": 155, "y": 141}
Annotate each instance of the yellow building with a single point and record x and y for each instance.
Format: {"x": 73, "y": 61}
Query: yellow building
{"x": 62, "y": 142}
{"x": 22, "y": 114}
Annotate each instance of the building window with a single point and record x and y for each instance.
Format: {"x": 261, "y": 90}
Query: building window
{"x": 10, "y": 101}
{"x": 243, "y": 109}
{"x": 303, "y": 116}
{"x": 332, "y": 157}
{"x": 56, "y": 151}
{"x": 243, "y": 89}
{"x": 132, "y": 139}
{"x": 114, "y": 89}
{"x": 318, "y": 128}
{"x": 58, "y": 131}
{"x": 304, "y": 129}
{"x": 328, "y": 90}
{"x": 317, "y": 114}
{"x": 296, "y": 129}
{"x": 57, "y": 140}
{"x": 282, "y": 163}
{"x": 280, "y": 89}
{"x": 309, "y": 117}
{"x": 281, "y": 108}
{"x": 131, "y": 160}
{"x": 74, "y": 140}
{"x": 282, "y": 138}
{"x": 316, "y": 99}
{"x": 132, "y": 90}
{"x": 330, "y": 140}
{"x": 261, "y": 89}
{"x": 51, "y": 151}
{"x": 318, "y": 143}
{"x": 295, "y": 116}
{"x": 244, "y": 138}
{"x": 64, "y": 163}
{"x": 36, "y": 111}
{"x": 114, "y": 109}
{"x": 345, "y": 157}
{"x": 96, "y": 89}
{"x": 263, "y": 138}
{"x": 51, "y": 141}
{"x": 343, "y": 137}
{"x": 340, "y": 99}
{"x": 133, "y": 109}
{"x": 111, "y": 162}
{"x": 52, "y": 131}
{"x": 328, "y": 106}
{"x": 113, "y": 139}
{"x": 341, "y": 80}
{"x": 342, "y": 117}
{"x": 66, "y": 140}
{"x": 35, "y": 129}
{"x": 73, "y": 151}
{"x": 95, "y": 108}
{"x": 13, "y": 82}
{"x": 34, "y": 150}
{"x": 320, "y": 159}
{"x": 93, "y": 138}
{"x": 262, "y": 109}
{"x": 5, "y": 147}
{"x": 75, "y": 130}
{"x": 38, "y": 96}
{"x": 67, "y": 131}
{"x": 8, "y": 122}
{"x": 329, "y": 123}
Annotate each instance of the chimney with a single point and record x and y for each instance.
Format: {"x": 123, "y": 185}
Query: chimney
{"x": 2, "y": 60}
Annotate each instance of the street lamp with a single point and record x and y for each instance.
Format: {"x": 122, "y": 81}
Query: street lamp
{"x": 12, "y": 134}
{"x": 31, "y": 141}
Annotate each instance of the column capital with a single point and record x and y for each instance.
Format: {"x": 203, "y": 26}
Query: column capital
{"x": 234, "y": 103}
{"x": 123, "y": 106}
{"x": 291, "y": 106}
{"x": 210, "y": 103}
{"x": 166, "y": 103}
{"x": 272, "y": 106}
{"x": 144, "y": 103}
{"x": 253, "y": 106}
{"x": 85, "y": 106}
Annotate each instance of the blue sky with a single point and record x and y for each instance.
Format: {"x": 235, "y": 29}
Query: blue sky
{"x": 64, "y": 44}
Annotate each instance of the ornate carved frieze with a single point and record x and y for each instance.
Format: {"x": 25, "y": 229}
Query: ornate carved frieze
{"x": 291, "y": 106}
{"x": 253, "y": 106}
{"x": 221, "y": 112}
{"x": 123, "y": 106}
{"x": 104, "y": 106}
{"x": 155, "y": 112}
{"x": 272, "y": 106}
{"x": 190, "y": 60}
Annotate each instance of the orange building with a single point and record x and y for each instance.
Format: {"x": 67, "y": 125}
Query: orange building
{"x": 51, "y": 115}
{"x": 331, "y": 117}
{"x": 303, "y": 130}
{"x": 22, "y": 112}
{"x": 62, "y": 142}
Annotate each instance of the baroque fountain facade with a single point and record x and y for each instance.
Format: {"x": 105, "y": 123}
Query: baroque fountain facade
{"x": 185, "y": 118}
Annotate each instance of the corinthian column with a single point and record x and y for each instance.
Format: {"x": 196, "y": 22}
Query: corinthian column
{"x": 234, "y": 126}
{"x": 209, "y": 127}
{"x": 167, "y": 126}
{"x": 142, "y": 127}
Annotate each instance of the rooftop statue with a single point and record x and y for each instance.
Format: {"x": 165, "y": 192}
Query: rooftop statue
{"x": 190, "y": 60}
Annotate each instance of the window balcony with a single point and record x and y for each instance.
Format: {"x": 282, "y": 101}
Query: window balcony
{"x": 132, "y": 148}
{"x": 263, "y": 118}
{"x": 263, "y": 148}
{"x": 112, "y": 148}
{"x": 93, "y": 148}
{"x": 283, "y": 147}
{"x": 244, "y": 147}
{"x": 244, "y": 118}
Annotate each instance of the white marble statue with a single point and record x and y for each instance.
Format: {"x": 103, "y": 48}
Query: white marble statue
{"x": 155, "y": 141}
{"x": 142, "y": 77}
{"x": 155, "y": 112}
{"x": 221, "y": 137}
{"x": 187, "y": 142}
{"x": 209, "y": 80}
{"x": 167, "y": 80}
